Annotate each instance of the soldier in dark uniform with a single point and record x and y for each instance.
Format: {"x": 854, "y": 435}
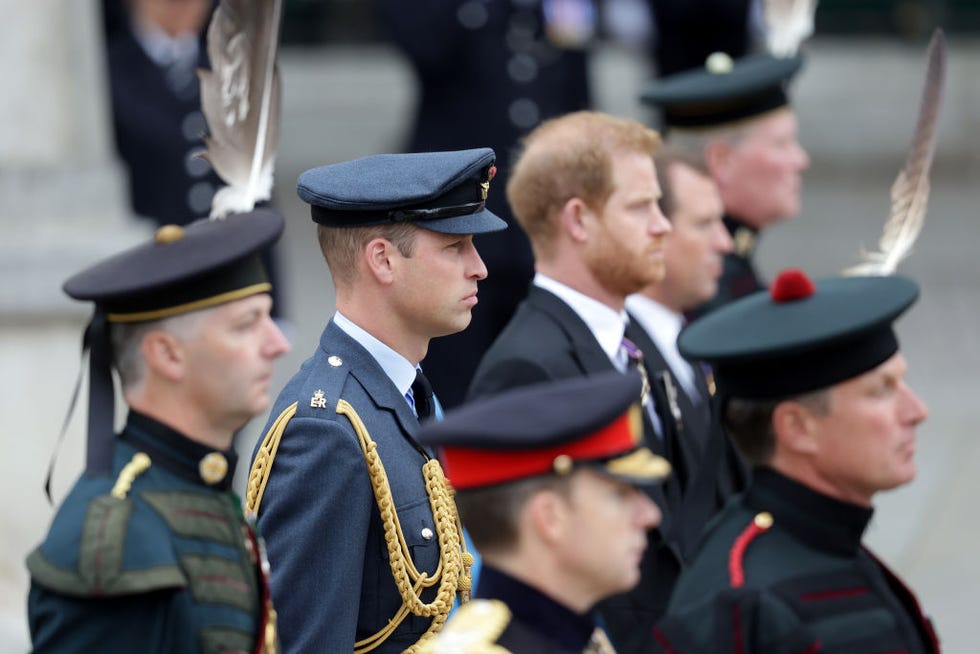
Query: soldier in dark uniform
{"x": 816, "y": 399}
{"x": 488, "y": 72}
{"x": 546, "y": 479}
{"x": 362, "y": 528}
{"x": 150, "y": 551}
{"x": 736, "y": 117}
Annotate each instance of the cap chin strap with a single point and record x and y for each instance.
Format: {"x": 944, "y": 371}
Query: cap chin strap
{"x": 101, "y": 403}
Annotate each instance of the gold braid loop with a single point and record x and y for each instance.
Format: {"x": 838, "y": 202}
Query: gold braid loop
{"x": 258, "y": 476}
{"x": 452, "y": 568}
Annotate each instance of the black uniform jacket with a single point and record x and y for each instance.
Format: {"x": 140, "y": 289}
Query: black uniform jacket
{"x": 782, "y": 570}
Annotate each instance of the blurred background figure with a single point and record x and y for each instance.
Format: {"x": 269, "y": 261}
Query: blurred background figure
{"x": 688, "y": 31}
{"x": 735, "y": 115}
{"x": 488, "y": 72}
{"x": 154, "y": 48}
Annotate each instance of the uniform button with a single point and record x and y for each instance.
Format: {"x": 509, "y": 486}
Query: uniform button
{"x": 335, "y": 361}
{"x": 427, "y": 533}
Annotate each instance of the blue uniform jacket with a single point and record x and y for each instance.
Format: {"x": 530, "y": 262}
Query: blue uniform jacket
{"x": 172, "y": 567}
{"x": 331, "y": 578}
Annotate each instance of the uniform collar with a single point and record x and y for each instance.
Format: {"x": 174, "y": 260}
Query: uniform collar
{"x": 174, "y": 452}
{"x": 744, "y": 238}
{"x": 535, "y": 609}
{"x": 815, "y": 519}
{"x": 399, "y": 370}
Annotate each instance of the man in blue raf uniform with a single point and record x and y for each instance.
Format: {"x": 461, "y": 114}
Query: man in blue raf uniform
{"x": 816, "y": 399}
{"x": 736, "y": 117}
{"x": 150, "y": 551}
{"x": 363, "y": 530}
{"x": 547, "y": 483}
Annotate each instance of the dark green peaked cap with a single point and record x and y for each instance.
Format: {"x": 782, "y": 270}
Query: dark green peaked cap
{"x": 789, "y": 340}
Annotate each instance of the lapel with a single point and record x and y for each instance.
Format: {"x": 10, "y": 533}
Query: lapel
{"x": 583, "y": 346}
{"x": 369, "y": 374}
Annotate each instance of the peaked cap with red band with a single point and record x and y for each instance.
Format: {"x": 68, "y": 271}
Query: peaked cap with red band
{"x": 548, "y": 429}
{"x": 799, "y": 336}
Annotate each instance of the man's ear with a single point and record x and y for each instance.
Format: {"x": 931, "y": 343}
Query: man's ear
{"x": 576, "y": 219}
{"x": 547, "y": 512}
{"x": 377, "y": 257}
{"x": 164, "y": 355}
{"x": 794, "y": 427}
{"x": 717, "y": 157}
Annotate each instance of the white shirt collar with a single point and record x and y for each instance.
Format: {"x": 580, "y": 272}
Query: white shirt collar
{"x": 398, "y": 368}
{"x": 606, "y": 324}
{"x": 162, "y": 48}
{"x": 663, "y": 326}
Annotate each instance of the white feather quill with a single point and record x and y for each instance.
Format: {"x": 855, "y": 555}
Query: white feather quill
{"x": 910, "y": 191}
{"x": 788, "y": 24}
{"x": 240, "y": 98}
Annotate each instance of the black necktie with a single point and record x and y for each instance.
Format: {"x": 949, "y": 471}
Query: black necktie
{"x": 422, "y": 395}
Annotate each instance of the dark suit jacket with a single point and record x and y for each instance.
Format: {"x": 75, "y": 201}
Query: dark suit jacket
{"x": 711, "y": 468}
{"x": 331, "y": 579}
{"x": 546, "y": 340}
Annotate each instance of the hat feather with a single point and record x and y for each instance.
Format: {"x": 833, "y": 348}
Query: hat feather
{"x": 788, "y": 23}
{"x": 910, "y": 191}
{"x": 240, "y": 98}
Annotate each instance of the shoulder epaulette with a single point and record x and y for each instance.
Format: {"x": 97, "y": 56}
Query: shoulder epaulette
{"x": 473, "y": 629}
{"x": 761, "y": 523}
{"x": 93, "y": 563}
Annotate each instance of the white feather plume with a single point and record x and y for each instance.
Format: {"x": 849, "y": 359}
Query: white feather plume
{"x": 240, "y": 98}
{"x": 910, "y": 191}
{"x": 788, "y": 24}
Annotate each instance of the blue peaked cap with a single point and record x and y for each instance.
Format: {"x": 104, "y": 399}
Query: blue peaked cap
{"x": 443, "y": 192}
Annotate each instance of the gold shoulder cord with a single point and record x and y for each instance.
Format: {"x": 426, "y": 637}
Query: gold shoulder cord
{"x": 136, "y": 466}
{"x": 258, "y": 476}
{"x": 453, "y": 571}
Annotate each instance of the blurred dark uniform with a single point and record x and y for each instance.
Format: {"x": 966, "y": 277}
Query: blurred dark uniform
{"x": 150, "y": 551}
{"x": 782, "y": 569}
{"x": 603, "y": 434}
{"x": 722, "y": 93}
{"x": 488, "y": 72}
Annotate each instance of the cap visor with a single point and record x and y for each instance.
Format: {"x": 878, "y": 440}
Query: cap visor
{"x": 481, "y": 222}
{"x": 641, "y": 466}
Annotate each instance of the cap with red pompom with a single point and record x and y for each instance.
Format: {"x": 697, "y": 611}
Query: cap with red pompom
{"x": 800, "y": 335}
{"x": 551, "y": 428}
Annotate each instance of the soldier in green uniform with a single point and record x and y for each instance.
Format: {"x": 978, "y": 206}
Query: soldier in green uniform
{"x": 736, "y": 116}
{"x": 150, "y": 551}
{"x": 547, "y": 483}
{"x": 814, "y": 394}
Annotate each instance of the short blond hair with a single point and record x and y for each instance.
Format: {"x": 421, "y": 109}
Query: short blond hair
{"x": 340, "y": 245}
{"x": 570, "y": 157}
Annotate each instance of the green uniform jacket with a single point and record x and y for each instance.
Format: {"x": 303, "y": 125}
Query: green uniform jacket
{"x": 171, "y": 566}
{"x": 782, "y": 570}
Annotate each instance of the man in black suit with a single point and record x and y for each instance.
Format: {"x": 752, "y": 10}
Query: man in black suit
{"x": 694, "y": 252}
{"x": 585, "y": 191}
